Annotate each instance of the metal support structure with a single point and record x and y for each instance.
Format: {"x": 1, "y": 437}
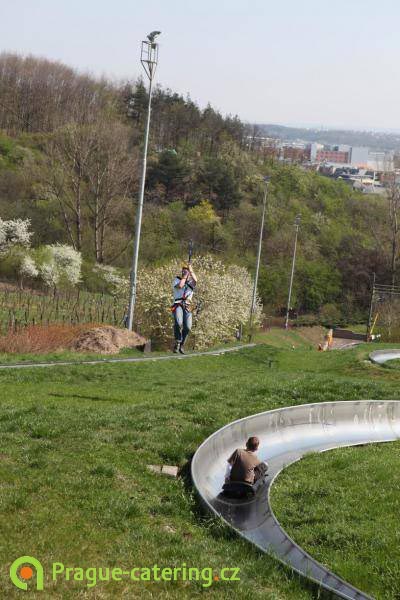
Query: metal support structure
{"x": 254, "y": 298}
{"x": 371, "y": 304}
{"x": 380, "y": 293}
{"x": 149, "y": 59}
{"x": 296, "y": 226}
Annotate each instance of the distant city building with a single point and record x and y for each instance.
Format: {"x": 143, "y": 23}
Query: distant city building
{"x": 359, "y": 156}
{"x": 296, "y": 154}
{"x": 314, "y": 149}
{"x": 312, "y": 155}
{"x": 380, "y": 161}
{"x": 333, "y": 155}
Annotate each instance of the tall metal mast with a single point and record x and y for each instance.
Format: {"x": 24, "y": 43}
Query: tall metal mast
{"x": 149, "y": 60}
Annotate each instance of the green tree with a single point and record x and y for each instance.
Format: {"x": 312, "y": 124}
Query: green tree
{"x": 204, "y": 227}
{"x": 317, "y": 283}
{"x": 218, "y": 180}
{"x": 169, "y": 170}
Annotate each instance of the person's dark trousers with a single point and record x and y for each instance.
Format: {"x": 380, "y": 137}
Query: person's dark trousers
{"x": 182, "y": 324}
{"x": 260, "y": 471}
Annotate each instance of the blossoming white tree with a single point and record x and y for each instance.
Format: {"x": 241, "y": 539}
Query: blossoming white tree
{"x": 14, "y": 233}
{"x": 28, "y": 268}
{"x": 59, "y": 265}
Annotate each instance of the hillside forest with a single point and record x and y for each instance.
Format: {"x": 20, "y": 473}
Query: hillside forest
{"x": 70, "y": 152}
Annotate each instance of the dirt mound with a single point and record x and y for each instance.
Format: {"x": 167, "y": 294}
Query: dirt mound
{"x": 107, "y": 340}
{"x": 89, "y": 337}
{"x": 39, "y": 339}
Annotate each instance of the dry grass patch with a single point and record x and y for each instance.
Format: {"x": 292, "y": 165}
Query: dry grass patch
{"x": 41, "y": 338}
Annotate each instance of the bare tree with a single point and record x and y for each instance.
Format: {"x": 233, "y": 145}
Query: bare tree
{"x": 70, "y": 150}
{"x": 110, "y": 173}
{"x": 393, "y": 195}
{"x": 92, "y": 169}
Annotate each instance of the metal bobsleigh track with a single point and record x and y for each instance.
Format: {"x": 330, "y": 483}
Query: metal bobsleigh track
{"x": 382, "y": 356}
{"x": 286, "y": 435}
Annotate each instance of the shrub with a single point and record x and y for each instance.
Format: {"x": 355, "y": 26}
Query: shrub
{"x": 389, "y": 320}
{"x": 330, "y": 315}
{"x": 111, "y": 280}
{"x": 10, "y": 263}
{"x": 307, "y": 321}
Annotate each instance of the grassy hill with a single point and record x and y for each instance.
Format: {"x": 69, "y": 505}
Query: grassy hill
{"x": 75, "y": 442}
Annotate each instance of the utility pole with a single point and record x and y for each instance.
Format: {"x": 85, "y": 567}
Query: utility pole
{"x": 149, "y": 59}
{"x": 296, "y": 226}
{"x": 254, "y": 298}
{"x": 371, "y": 304}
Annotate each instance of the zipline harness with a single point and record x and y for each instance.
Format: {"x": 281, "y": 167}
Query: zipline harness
{"x": 187, "y": 290}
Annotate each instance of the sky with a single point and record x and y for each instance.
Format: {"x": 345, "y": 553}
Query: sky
{"x": 307, "y": 63}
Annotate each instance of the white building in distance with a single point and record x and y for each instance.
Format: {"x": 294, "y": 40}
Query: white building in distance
{"x": 363, "y": 157}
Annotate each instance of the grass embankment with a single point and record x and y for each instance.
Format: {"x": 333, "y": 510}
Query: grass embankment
{"x": 301, "y": 337}
{"x": 70, "y": 356}
{"x": 64, "y": 356}
{"x": 75, "y": 442}
{"x": 57, "y": 337}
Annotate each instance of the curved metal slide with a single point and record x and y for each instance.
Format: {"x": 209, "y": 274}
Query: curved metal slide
{"x": 286, "y": 435}
{"x": 381, "y": 356}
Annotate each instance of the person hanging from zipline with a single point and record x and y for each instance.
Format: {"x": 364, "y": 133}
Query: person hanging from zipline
{"x": 183, "y": 287}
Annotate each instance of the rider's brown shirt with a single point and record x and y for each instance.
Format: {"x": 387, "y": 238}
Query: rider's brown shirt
{"x": 243, "y": 464}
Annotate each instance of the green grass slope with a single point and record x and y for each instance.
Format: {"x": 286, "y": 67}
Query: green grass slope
{"x": 75, "y": 442}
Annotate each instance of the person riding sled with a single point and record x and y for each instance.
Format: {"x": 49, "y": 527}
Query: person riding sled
{"x": 183, "y": 288}
{"x": 244, "y": 466}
